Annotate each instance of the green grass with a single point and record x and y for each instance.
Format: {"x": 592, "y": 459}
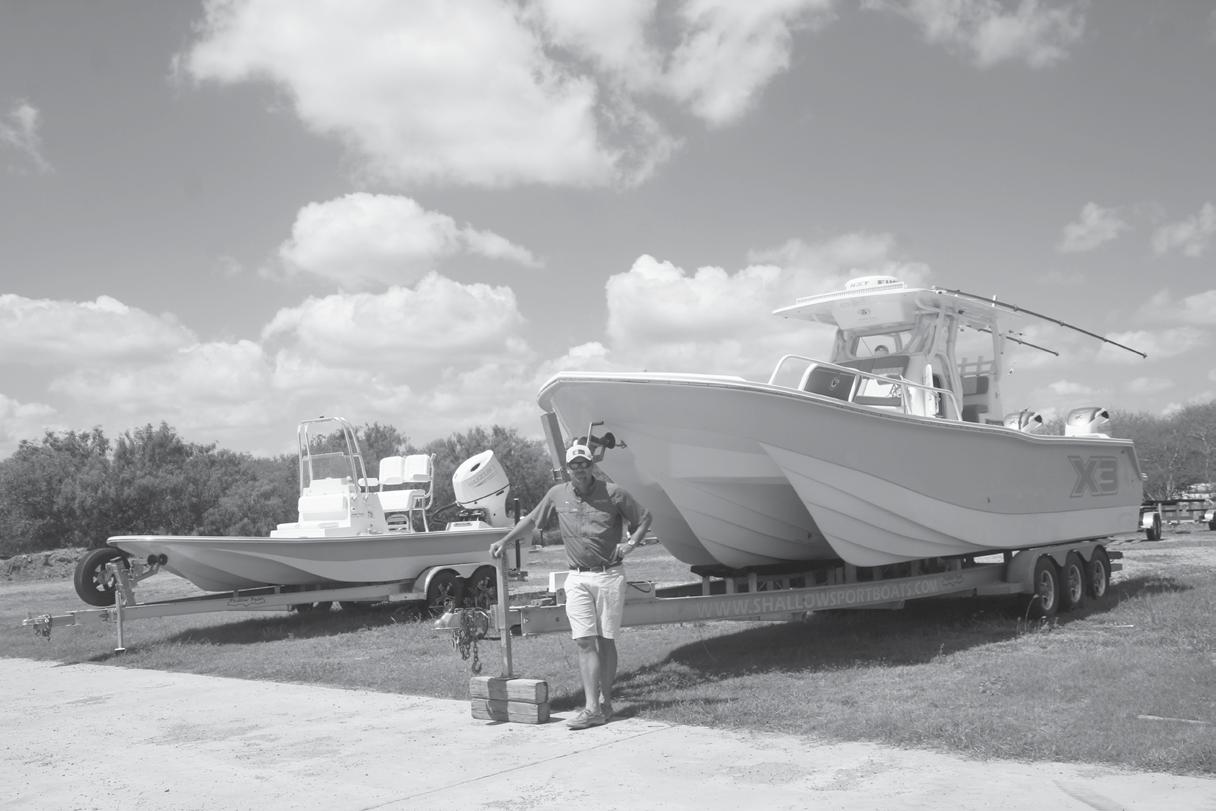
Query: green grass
{"x": 969, "y": 676}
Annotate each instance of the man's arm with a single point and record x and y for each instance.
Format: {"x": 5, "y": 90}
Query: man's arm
{"x": 525, "y": 525}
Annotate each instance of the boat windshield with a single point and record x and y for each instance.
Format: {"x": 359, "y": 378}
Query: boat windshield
{"x": 326, "y": 466}
{"x": 883, "y": 343}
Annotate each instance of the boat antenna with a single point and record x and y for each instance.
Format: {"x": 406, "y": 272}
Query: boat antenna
{"x": 993, "y": 300}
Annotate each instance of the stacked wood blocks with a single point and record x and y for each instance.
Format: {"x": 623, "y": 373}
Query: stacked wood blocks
{"x": 497, "y": 698}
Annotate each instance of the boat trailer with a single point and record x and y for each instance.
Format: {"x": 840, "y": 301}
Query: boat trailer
{"x": 127, "y": 606}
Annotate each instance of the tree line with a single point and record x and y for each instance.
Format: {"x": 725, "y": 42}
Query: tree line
{"x": 79, "y": 488}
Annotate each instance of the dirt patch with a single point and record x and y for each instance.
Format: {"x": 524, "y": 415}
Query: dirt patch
{"x": 57, "y": 564}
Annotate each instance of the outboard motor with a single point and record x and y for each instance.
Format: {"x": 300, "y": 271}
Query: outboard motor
{"x": 1088, "y": 421}
{"x": 480, "y": 485}
{"x": 1027, "y": 421}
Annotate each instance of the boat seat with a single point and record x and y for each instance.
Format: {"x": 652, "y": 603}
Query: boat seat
{"x": 401, "y": 506}
{"x": 329, "y": 485}
{"x": 324, "y": 507}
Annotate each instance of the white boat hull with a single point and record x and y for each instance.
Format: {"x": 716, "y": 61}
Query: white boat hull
{"x": 761, "y": 475}
{"x": 228, "y": 563}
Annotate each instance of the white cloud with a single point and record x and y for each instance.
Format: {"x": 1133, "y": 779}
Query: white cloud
{"x": 19, "y": 131}
{"x": 1070, "y": 388}
{"x": 1157, "y": 344}
{"x": 825, "y": 266}
{"x": 402, "y": 330}
{"x": 1191, "y": 236}
{"x": 361, "y": 239}
{"x": 1096, "y": 226}
{"x": 1149, "y": 385}
{"x": 1032, "y": 33}
{"x": 503, "y": 92}
{"x": 202, "y": 374}
{"x": 732, "y": 50}
{"x": 427, "y": 91}
{"x": 1198, "y": 309}
{"x": 663, "y": 318}
{"x": 37, "y": 331}
{"x": 438, "y": 357}
{"x": 723, "y": 53}
{"x": 20, "y": 421}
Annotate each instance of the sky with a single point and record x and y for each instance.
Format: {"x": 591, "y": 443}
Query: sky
{"x": 231, "y": 216}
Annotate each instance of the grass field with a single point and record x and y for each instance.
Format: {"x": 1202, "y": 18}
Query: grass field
{"x": 1131, "y": 682}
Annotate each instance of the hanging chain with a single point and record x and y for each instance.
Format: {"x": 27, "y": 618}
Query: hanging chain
{"x": 474, "y": 624}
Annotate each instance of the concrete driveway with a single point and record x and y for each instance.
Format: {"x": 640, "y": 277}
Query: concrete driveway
{"x": 89, "y": 736}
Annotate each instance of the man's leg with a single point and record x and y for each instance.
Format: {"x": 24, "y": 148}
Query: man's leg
{"x": 589, "y": 668}
{"x": 607, "y": 666}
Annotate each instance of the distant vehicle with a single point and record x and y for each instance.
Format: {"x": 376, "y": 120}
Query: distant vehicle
{"x": 1209, "y": 518}
{"x": 1151, "y": 520}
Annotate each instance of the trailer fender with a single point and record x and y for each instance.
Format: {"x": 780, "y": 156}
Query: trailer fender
{"x": 1021, "y": 568}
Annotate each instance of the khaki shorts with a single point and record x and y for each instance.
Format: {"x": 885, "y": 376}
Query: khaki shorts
{"x": 595, "y": 602}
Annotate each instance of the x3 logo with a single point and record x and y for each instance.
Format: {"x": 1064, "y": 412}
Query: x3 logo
{"x": 1096, "y": 475}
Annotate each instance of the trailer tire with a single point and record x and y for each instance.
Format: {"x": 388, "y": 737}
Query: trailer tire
{"x": 1097, "y": 574}
{"x": 1073, "y": 582}
{"x": 444, "y": 592}
{"x": 481, "y": 589}
{"x": 1046, "y": 582}
{"x": 1153, "y": 531}
{"x": 93, "y": 582}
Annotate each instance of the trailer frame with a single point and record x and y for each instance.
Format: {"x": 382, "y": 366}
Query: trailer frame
{"x": 1042, "y": 572}
{"x": 127, "y": 606}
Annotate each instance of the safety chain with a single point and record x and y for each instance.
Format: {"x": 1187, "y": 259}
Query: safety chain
{"x": 474, "y": 625}
{"x": 42, "y": 626}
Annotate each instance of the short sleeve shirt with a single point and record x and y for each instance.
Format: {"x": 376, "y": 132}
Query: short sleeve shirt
{"x": 591, "y": 524}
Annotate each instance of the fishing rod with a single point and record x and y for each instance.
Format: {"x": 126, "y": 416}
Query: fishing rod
{"x": 1014, "y": 308}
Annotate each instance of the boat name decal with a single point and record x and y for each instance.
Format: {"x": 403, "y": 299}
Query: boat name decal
{"x": 1096, "y": 475}
{"x": 819, "y": 600}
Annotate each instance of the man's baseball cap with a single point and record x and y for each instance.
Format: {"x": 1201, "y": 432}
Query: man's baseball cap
{"x": 578, "y": 452}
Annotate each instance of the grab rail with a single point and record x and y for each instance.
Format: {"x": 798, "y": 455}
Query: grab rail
{"x": 949, "y": 399}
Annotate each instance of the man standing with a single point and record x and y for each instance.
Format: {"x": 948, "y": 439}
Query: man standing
{"x": 591, "y": 514}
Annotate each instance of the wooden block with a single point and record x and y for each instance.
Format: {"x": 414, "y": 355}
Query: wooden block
{"x": 521, "y": 712}
{"x": 532, "y": 691}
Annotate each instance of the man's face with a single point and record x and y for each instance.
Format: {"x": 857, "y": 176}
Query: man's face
{"x": 580, "y": 472}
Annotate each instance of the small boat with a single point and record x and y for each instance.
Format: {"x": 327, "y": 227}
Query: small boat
{"x": 350, "y": 529}
{"x": 893, "y": 450}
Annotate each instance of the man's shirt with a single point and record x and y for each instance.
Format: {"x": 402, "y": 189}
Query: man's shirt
{"x": 591, "y": 523}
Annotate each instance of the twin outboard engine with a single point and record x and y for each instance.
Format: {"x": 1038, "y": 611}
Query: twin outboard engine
{"x": 1088, "y": 421}
{"x": 1027, "y": 421}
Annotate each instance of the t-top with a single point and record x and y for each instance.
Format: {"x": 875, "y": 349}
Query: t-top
{"x": 591, "y": 524}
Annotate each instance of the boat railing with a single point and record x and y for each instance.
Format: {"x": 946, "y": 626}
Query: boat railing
{"x": 794, "y": 372}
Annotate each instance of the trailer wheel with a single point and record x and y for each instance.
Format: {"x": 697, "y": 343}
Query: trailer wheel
{"x": 1046, "y": 600}
{"x": 94, "y": 583}
{"x": 481, "y": 589}
{"x": 1153, "y": 531}
{"x": 1072, "y": 582}
{"x": 1097, "y": 574}
{"x": 444, "y": 592}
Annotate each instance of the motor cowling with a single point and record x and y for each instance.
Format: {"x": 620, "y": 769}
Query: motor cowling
{"x": 1088, "y": 421}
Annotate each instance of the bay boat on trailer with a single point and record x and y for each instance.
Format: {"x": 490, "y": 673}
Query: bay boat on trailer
{"x": 350, "y": 531}
{"x": 891, "y": 451}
